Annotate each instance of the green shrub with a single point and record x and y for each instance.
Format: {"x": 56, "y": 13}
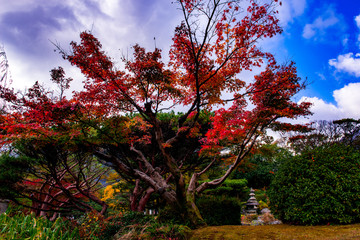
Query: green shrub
{"x": 262, "y": 205}
{"x": 220, "y": 210}
{"x": 231, "y": 188}
{"x": 319, "y": 186}
{"x": 92, "y": 226}
{"x": 259, "y": 170}
{"x": 96, "y": 226}
{"x": 154, "y": 230}
{"x": 170, "y": 214}
{"x": 12, "y": 172}
{"x": 23, "y": 226}
{"x": 215, "y": 210}
{"x": 128, "y": 225}
{"x": 137, "y": 226}
{"x": 261, "y": 196}
{"x": 130, "y": 218}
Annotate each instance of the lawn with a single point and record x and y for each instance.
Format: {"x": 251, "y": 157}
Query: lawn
{"x": 282, "y": 231}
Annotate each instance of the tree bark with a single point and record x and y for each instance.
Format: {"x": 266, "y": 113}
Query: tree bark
{"x": 144, "y": 199}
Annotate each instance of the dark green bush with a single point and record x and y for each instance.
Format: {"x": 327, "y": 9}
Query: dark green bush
{"x": 231, "y": 188}
{"x": 170, "y": 214}
{"x": 131, "y": 217}
{"x": 259, "y": 170}
{"x": 319, "y": 186}
{"x": 156, "y": 230}
{"x": 220, "y": 210}
{"x": 12, "y": 172}
{"x": 215, "y": 210}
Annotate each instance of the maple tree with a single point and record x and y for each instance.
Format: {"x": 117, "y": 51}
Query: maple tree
{"x": 112, "y": 142}
{"x": 41, "y": 160}
{"x": 49, "y": 181}
{"x": 117, "y": 116}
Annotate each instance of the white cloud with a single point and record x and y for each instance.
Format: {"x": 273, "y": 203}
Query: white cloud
{"x": 348, "y": 99}
{"x": 347, "y": 63}
{"x": 357, "y": 20}
{"x": 347, "y": 105}
{"x": 308, "y": 31}
{"x": 321, "y": 110}
{"x": 320, "y": 24}
{"x": 345, "y": 41}
{"x": 117, "y": 24}
{"x": 321, "y": 76}
{"x": 291, "y": 9}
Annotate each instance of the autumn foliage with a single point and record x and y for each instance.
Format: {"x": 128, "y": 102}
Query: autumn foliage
{"x": 117, "y": 117}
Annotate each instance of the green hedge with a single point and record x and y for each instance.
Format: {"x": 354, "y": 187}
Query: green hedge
{"x": 230, "y": 188}
{"x": 220, "y": 210}
{"x": 215, "y": 210}
{"x": 319, "y": 186}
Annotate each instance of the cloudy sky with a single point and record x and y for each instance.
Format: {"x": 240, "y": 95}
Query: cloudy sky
{"x": 321, "y": 36}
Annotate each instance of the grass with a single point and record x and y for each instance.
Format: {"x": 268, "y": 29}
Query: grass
{"x": 28, "y": 227}
{"x": 282, "y": 231}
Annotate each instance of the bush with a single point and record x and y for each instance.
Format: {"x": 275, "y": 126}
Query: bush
{"x": 153, "y": 230}
{"x": 231, "y": 188}
{"x": 319, "y": 186}
{"x": 220, "y": 210}
{"x": 12, "y": 172}
{"x": 131, "y": 225}
{"x": 259, "y": 170}
{"x": 170, "y": 214}
{"x": 128, "y": 225}
{"x": 134, "y": 225}
{"x": 96, "y": 226}
{"x": 262, "y": 205}
{"x": 23, "y": 226}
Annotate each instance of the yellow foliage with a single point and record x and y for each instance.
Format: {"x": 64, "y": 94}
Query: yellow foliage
{"x": 109, "y": 192}
{"x": 111, "y": 176}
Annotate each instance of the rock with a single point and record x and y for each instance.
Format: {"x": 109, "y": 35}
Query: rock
{"x": 4, "y": 203}
{"x": 265, "y": 210}
{"x": 276, "y": 222}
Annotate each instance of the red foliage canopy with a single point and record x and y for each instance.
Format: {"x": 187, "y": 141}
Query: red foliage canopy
{"x": 206, "y": 58}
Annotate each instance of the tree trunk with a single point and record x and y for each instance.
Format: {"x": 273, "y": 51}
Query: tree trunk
{"x": 140, "y": 197}
{"x": 184, "y": 207}
{"x": 193, "y": 213}
{"x": 144, "y": 199}
{"x": 192, "y": 210}
{"x": 135, "y": 196}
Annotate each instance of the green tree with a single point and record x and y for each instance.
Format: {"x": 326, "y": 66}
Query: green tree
{"x": 318, "y": 186}
{"x": 260, "y": 167}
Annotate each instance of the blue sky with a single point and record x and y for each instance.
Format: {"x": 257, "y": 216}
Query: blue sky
{"x": 322, "y": 37}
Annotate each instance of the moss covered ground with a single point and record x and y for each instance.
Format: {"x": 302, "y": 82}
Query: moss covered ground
{"x": 281, "y": 231}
